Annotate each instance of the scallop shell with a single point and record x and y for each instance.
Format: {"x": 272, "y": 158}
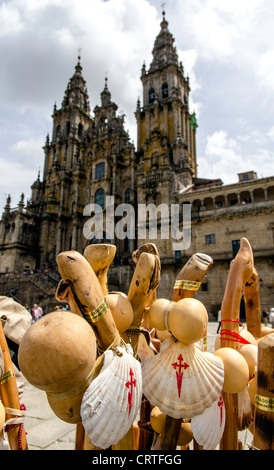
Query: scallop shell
{"x": 113, "y": 399}
{"x": 182, "y": 380}
{"x": 208, "y": 427}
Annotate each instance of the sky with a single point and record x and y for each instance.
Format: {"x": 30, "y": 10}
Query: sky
{"x": 226, "y": 47}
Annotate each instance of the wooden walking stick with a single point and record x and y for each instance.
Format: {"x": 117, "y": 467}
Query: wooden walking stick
{"x": 191, "y": 275}
{"x": 100, "y": 257}
{"x": 253, "y": 305}
{"x": 144, "y": 282}
{"x": 241, "y": 269}
{"x": 145, "y": 248}
{"x": 10, "y": 398}
{"x": 171, "y": 433}
{"x": 80, "y": 437}
{"x": 264, "y": 400}
{"x": 152, "y": 249}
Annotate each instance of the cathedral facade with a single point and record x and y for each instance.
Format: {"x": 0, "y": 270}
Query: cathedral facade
{"x": 90, "y": 159}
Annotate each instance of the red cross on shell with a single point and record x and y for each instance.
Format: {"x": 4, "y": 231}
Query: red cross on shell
{"x": 179, "y": 374}
{"x": 130, "y": 384}
{"x": 221, "y": 404}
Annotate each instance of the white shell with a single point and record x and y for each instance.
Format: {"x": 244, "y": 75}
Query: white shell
{"x": 182, "y": 380}
{"x": 208, "y": 427}
{"x": 113, "y": 399}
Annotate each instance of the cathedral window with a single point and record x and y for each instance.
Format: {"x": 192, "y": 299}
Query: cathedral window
{"x": 165, "y": 90}
{"x": 126, "y": 244}
{"x": 210, "y": 239}
{"x": 67, "y": 128}
{"x": 58, "y": 132}
{"x": 106, "y": 238}
{"x": 80, "y": 130}
{"x": 127, "y": 196}
{"x": 235, "y": 247}
{"x": 151, "y": 95}
{"x": 178, "y": 257}
{"x": 100, "y": 170}
{"x": 104, "y": 120}
{"x": 100, "y": 198}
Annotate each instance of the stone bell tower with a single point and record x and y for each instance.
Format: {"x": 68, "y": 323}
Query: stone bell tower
{"x": 63, "y": 171}
{"x": 166, "y": 131}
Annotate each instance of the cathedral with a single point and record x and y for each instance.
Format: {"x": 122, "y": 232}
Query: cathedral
{"x": 90, "y": 159}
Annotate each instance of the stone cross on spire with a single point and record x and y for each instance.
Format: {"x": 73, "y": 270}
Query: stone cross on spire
{"x": 79, "y": 54}
{"x": 163, "y": 10}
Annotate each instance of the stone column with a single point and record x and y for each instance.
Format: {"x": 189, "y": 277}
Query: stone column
{"x": 133, "y": 242}
{"x": 58, "y": 238}
{"x": 74, "y": 235}
{"x": 114, "y": 176}
{"x": 251, "y": 195}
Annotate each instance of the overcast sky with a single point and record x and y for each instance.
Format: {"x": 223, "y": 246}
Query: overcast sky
{"x": 226, "y": 46}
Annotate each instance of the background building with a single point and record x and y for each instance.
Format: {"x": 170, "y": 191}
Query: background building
{"x": 89, "y": 156}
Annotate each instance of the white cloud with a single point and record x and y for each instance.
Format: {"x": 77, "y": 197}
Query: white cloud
{"x": 243, "y": 9}
{"x": 10, "y": 21}
{"x": 225, "y": 157}
{"x": 271, "y": 133}
{"x": 28, "y": 150}
{"x": 232, "y": 32}
{"x": 188, "y": 59}
{"x": 16, "y": 179}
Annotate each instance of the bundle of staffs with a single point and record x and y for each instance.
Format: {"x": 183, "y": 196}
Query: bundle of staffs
{"x": 241, "y": 269}
{"x": 82, "y": 286}
{"x": 187, "y": 283}
{"x": 100, "y": 257}
{"x": 10, "y": 398}
{"x": 85, "y": 292}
